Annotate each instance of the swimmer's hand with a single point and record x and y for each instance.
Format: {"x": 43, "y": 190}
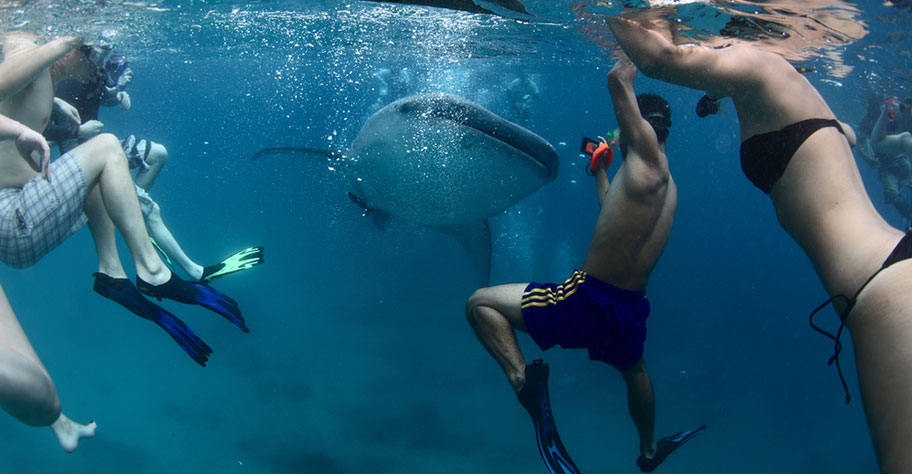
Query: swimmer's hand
{"x": 124, "y": 99}
{"x": 28, "y": 142}
{"x": 623, "y": 72}
{"x": 69, "y": 114}
{"x": 90, "y": 129}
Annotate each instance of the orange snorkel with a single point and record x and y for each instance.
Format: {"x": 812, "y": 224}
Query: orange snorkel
{"x": 599, "y": 152}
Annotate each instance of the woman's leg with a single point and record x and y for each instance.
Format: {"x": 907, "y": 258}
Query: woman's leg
{"x": 881, "y": 329}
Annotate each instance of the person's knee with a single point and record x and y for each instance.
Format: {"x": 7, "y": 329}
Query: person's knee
{"x": 474, "y": 302}
{"x": 635, "y": 372}
{"x": 158, "y": 155}
{"x": 37, "y": 403}
{"x": 154, "y": 215}
{"x": 105, "y": 140}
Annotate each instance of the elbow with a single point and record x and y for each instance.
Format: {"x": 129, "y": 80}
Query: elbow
{"x": 653, "y": 65}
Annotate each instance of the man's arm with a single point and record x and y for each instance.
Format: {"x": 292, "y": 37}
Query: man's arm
{"x": 602, "y": 183}
{"x": 717, "y": 71}
{"x": 23, "y": 61}
{"x": 636, "y": 131}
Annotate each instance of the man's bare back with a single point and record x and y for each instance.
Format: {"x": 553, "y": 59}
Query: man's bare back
{"x": 638, "y": 209}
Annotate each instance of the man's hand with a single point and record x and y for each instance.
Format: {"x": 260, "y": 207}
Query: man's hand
{"x": 90, "y": 129}
{"x": 125, "y": 79}
{"x": 623, "y": 71}
{"x": 28, "y": 142}
{"x": 124, "y": 98}
{"x": 69, "y": 114}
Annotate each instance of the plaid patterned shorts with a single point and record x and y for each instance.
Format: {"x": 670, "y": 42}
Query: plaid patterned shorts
{"x": 42, "y": 214}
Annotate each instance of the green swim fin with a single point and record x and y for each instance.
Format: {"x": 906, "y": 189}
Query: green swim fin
{"x": 162, "y": 252}
{"x": 249, "y": 257}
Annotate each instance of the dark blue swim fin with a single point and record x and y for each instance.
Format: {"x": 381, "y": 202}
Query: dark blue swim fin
{"x": 534, "y": 398}
{"x": 188, "y": 292}
{"x": 666, "y": 446}
{"x": 122, "y": 291}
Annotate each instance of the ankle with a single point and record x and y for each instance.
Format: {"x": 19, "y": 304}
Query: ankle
{"x": 154, "y": 275}
{"x": 648, "y": 450}
{"x": 517, "y": 378}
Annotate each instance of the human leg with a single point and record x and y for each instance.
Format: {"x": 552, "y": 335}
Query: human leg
{"x": 26, "y": 390}
{"x": 163, "y": 237}
{"x": 494, "y": 314}
{"x": 641, "y": 405}
{"x": 104, "y": 164}
{"x": 881, "y": 329}
{"x": 891, "y": 186}
{"x": 155, "y": 161}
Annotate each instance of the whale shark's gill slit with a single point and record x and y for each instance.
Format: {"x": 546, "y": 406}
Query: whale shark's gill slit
{"x": 484, "y": 121}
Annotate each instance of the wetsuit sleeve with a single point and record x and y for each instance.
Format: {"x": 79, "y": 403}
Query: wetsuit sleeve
{"x": 54, "y": 132}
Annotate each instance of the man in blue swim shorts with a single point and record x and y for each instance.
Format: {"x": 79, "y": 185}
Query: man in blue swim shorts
{"x": 602, "y": 307}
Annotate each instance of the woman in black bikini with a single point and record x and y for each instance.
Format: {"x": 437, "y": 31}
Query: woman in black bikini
{"x": 794, "y": 150}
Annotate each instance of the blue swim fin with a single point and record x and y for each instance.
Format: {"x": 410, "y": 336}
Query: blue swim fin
{"x": 534, "y": 398}
{"x": 121, "y": 291}
{"x": 666, "y": 446}
{"x": 195, "y": 293}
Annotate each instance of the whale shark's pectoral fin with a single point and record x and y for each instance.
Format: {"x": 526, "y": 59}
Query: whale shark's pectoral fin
{"x": 476, "y": 239}
{"x": 380, "y": 218}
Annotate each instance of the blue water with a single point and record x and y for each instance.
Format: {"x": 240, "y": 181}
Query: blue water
{"x": 359, "y": 357}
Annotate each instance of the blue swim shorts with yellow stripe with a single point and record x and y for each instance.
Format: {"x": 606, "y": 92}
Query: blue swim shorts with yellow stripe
{"x": 586, "y": 312}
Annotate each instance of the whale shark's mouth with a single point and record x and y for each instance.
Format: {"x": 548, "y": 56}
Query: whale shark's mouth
{"x": 473, "y": 116}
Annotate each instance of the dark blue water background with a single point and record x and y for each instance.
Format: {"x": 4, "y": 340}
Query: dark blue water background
{"x": 359, "y": 357}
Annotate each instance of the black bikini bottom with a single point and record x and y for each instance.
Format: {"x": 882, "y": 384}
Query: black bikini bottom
{"x": 902, "y": 251}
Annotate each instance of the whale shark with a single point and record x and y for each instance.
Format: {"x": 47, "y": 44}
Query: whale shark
{"x": 464, "y": 5}
{"x": 441, "y": 161}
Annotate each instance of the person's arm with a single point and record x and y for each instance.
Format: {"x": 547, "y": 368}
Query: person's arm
{"x": 635, "y": 130}
{"x": 720, "y": 72}
{"x": 28, "y": 141}
{"x": 113, "y": 96}
{"x": 23, "y": 61}
{"x": 879, "y": 132}
{"x": 602, "y": 183}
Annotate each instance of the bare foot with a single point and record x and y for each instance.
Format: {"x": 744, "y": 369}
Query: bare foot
{"x": 69, "y": 432}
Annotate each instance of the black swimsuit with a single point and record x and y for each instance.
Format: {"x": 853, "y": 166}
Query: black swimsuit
{"x": 765, "y": 156}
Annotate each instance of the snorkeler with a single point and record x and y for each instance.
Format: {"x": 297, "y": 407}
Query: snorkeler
{"x": 26, "y": 390}
{"x": 602, "y": 307}
{"x": 42, "y": 204}
{"x": 796, "y": 151}
{"x": 893, "y": 169}
{"x": 100, "y": 79}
